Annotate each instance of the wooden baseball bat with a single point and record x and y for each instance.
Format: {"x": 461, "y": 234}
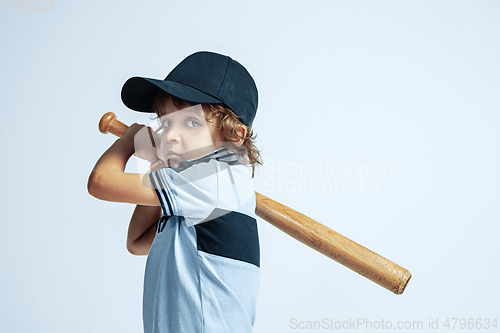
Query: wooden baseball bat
{"x": 314, "y": 234}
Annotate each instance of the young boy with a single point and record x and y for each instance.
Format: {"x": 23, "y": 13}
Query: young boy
{"x": 202, "y": 271}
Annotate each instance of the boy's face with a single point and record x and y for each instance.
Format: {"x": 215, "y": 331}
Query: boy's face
{"x": 186, "y": 134}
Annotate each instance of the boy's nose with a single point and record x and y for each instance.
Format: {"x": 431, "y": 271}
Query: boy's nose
{"x": 171, "y": 134}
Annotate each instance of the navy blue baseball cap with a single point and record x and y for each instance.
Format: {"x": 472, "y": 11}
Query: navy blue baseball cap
{"x": 203, "y": 77}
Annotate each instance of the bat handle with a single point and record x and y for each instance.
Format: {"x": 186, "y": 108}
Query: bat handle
{"x": 109, "y": 124}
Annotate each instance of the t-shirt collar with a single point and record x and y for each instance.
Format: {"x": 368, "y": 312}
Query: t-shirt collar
{"x": 221, "y": 154}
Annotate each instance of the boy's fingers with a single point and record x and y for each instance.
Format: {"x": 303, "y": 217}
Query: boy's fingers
{"x": 131, "y": 131}
{"x": 151, "y": 137}
{"x": 145, "y": 144}
{"x": 157, "y": 165}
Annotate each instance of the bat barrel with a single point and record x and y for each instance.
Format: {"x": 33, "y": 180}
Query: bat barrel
{"x": 334, "y": 245}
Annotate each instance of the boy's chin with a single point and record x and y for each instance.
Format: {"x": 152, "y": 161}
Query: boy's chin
{"x": 173, "y": 163}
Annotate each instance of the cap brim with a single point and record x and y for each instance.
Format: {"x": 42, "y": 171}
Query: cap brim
{"x": 138, "y": 93}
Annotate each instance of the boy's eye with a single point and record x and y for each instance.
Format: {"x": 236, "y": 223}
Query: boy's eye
{"x": 166, "y": 123}
{"x": 193, "y": 123}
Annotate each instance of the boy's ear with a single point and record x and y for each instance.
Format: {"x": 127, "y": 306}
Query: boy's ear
{"x": 242, "y": 132}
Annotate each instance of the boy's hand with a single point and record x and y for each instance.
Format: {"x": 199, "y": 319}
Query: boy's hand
{"x": 142, "y": 139}
{"x": 157, "y": 165}
{"x": 129, "y": 134}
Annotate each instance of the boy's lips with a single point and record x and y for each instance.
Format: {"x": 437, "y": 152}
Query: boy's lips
{"x": 171, "y": 154}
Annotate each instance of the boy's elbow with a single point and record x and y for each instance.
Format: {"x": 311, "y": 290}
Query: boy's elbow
{"x": 94, "y": 185}
{"x": 136, "y": 250}
{"x": 130, "y": 247}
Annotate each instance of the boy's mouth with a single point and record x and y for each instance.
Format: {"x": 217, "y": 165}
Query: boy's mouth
{"x": 171, "y": 154}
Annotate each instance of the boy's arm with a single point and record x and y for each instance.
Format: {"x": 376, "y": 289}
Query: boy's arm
{"x": 108, "y": 180}
{"x": 142, "y": 229}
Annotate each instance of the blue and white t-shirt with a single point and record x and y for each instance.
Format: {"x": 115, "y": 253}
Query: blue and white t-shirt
{"x": 202, "y": 272}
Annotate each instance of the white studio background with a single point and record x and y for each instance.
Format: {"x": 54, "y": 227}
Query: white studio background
{"x": 378, "y": 119}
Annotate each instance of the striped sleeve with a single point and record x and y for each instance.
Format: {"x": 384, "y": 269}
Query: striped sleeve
{"x": 191, "y": 193}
